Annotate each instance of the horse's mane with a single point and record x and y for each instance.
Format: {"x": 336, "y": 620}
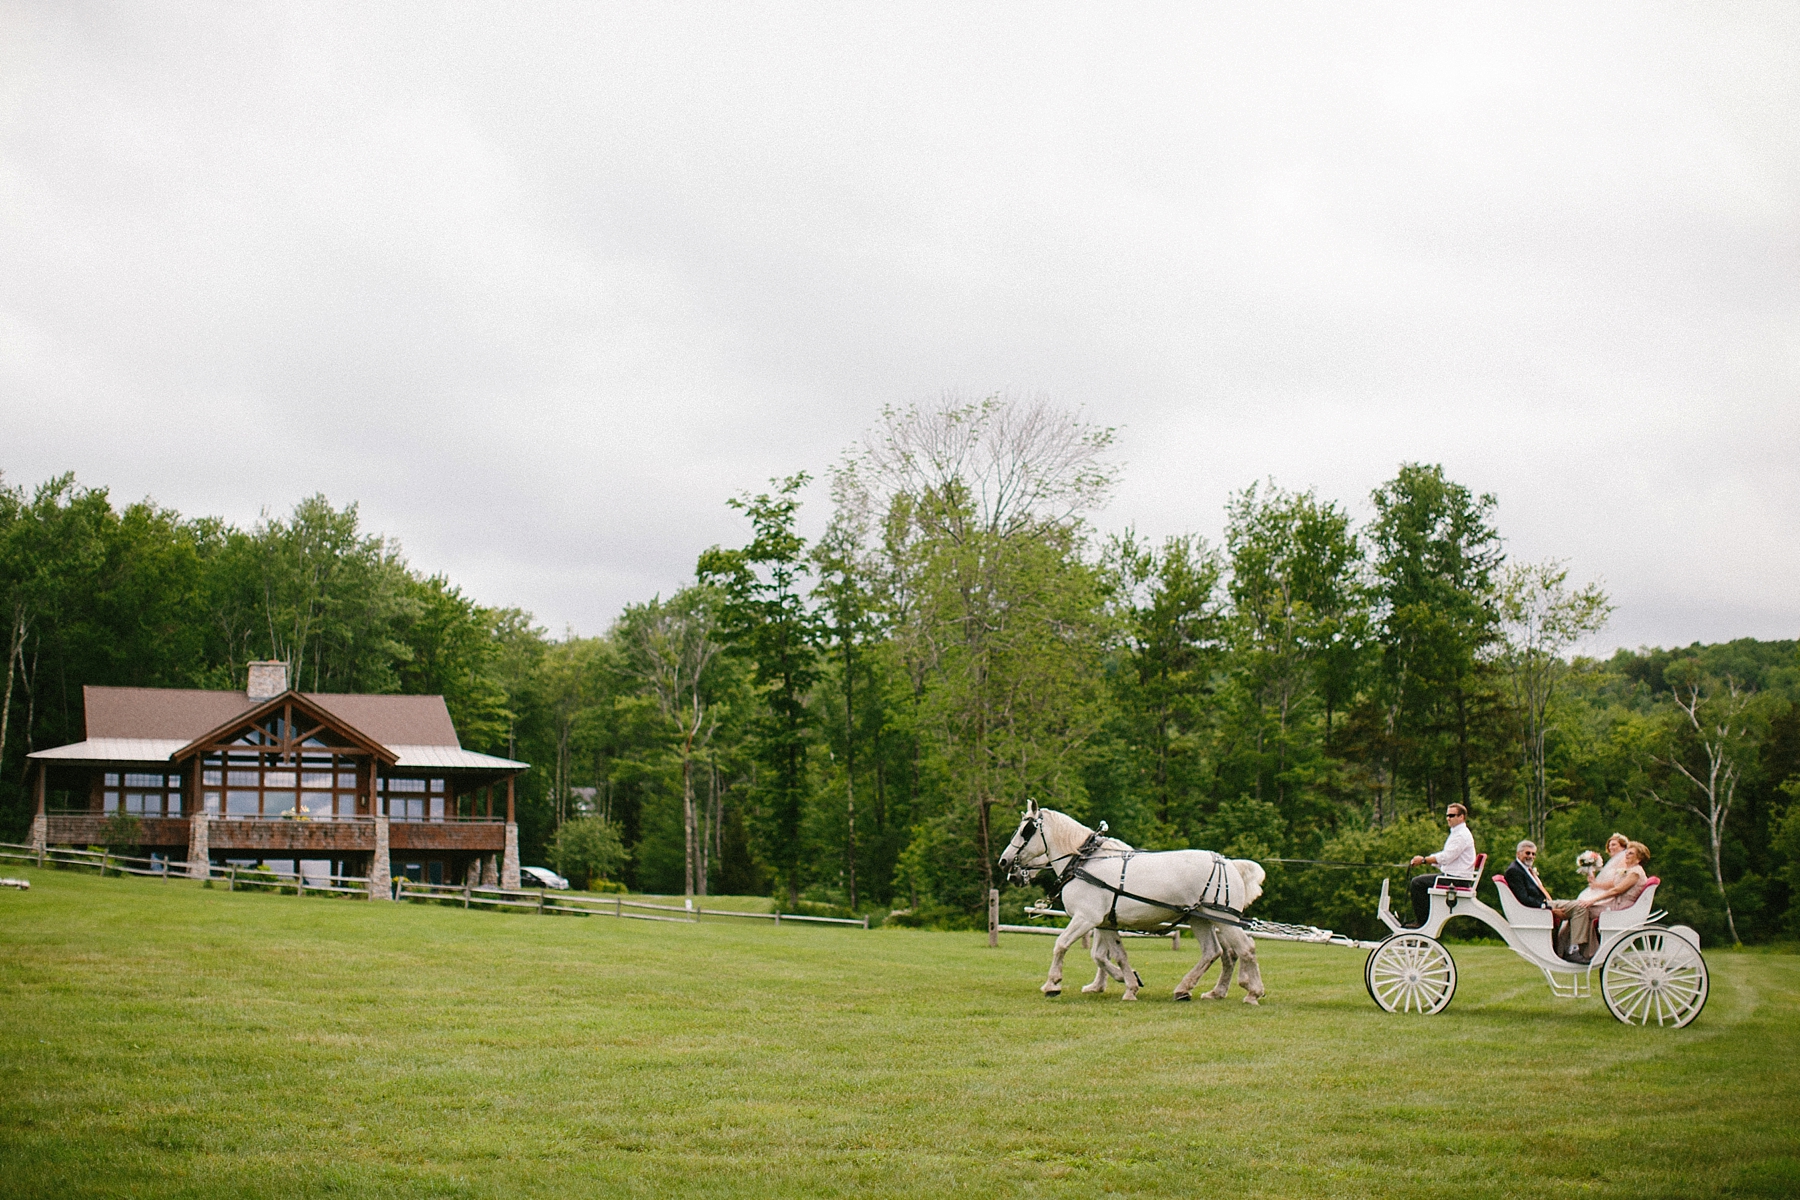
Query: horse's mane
{"x": 1063, "y": 834}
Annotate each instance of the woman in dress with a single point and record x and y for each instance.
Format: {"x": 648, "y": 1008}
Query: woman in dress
{"x": 1612, "y": 889}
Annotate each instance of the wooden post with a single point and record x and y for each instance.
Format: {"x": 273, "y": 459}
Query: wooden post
{"x": 993, "y": 916}
{"x": 465, "y": 889}
{"x": 618, "y": 906}
{"x": 1175, "y": 939}
{"x": 865, "y": 922}
{"x": 105, "y": 857}
{"x": 299, "y": 880}
{"x": 510, "y": 817}
{"x": 540, "y": 903}
{"x": 231, "y": 879}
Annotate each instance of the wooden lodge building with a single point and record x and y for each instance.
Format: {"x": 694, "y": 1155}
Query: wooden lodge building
{"x": 375, "y": 786}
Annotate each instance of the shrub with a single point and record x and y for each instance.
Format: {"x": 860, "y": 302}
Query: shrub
{"x": 587, "y": 850}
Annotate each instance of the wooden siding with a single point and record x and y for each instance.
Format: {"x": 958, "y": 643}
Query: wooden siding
{"x": 278, "y": 838}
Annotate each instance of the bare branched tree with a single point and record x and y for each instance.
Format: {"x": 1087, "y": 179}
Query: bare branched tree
{"x": 1719, "y": 715}
{"x": 1542, "y": 621}
{"x": 673, "y": 645}
{"x": 982, "y": 507}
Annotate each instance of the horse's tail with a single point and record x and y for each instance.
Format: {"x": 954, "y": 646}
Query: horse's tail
{"x": 1253, "y": 876}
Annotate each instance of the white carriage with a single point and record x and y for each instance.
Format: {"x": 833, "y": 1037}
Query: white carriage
{"x": 1649, "y": 971}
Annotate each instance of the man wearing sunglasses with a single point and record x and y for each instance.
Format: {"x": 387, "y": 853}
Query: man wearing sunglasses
{"x": 1522, "y": 878}
{"x": 1456, "y": 861}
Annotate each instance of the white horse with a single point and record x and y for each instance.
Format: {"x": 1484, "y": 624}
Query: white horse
{"x": 1110, "y": 886}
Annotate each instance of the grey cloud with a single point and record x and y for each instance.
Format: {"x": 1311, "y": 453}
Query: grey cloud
{"x": 542, "y": 288}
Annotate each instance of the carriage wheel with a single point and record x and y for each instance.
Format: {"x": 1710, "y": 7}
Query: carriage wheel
{"x": 1651, "y": 974}
{"x": 1411, "y": 973}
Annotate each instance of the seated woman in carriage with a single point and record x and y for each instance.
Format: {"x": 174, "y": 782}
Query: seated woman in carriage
{"x": 1617, "y": 886}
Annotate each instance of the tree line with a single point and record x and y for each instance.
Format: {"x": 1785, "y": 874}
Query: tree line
{"x": 855, "y": 721}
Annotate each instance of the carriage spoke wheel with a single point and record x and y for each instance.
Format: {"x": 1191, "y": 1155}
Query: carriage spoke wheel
{"x": 1653, "y": 975}
{"x": 1411, "y": 973}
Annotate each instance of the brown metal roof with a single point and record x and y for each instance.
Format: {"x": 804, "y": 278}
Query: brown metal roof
{"x": 135, "y": 712}
{"x": 393, "y": 720}
{"x": 186, "y": 713}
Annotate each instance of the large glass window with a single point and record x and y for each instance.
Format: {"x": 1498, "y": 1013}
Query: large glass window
{"x": 414, "y": 799}
{"x": 323, "y": 785}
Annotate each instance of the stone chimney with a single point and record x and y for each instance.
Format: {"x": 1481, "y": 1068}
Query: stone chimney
{"x": 267, "y": 680}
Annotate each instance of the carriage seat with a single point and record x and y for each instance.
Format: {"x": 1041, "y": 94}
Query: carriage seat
{"x": 1518, "y": 915}
{"x": 1464, "y": 887}
{"x": 1521, "y": 917}
{"x": 1639, "y": 913}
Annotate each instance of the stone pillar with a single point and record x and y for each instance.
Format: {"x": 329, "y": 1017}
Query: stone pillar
{"x": 490, "y": 874}
{"x": 199, "y": 845}
{"x": 381, "y": 880}
{"x": 509, "y": 866}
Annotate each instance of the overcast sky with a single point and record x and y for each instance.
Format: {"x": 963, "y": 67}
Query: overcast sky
{"x": 540, "y": 287}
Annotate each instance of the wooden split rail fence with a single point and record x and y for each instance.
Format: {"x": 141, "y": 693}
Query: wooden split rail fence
{"x": 544, "y": 903}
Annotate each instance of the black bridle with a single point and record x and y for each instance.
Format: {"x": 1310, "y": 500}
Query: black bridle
{"x": 1033, "y": 827}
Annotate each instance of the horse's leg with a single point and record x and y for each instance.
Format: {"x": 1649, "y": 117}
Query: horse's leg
{"x": 1127, "y": 976}
{"x": 1104, "y": 965}
{"x": 1209, "y": 950}
{"x": 1249, "y": 971}
{"x": 1228, "y": 954}
{"x": 1069, "y": 936}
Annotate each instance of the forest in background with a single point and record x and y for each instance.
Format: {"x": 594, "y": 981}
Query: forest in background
{"x": 855, "y": 721}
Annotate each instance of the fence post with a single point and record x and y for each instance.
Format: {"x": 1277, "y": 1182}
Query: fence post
{"x": 865, "y": 921}
{"x": 993, "y": 916}
{"x": 778, "y": 918}
{"x": 231, "y": 879}
{"x": 540, "y": 904}
{"x": 1175, "y": 939}
{"x": 465, "y": 891}
{"x": 299, "y": 880}
{"x": 618, "y": 906}
{"x": 105, "y": 857}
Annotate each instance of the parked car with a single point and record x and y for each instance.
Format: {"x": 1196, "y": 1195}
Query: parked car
{"x": 542, "y": 877}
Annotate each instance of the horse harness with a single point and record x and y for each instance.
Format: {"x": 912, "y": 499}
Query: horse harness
{"x": 1217, "y": 883}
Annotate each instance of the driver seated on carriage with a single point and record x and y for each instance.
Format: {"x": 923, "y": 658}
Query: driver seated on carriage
{"x": 1455, "y": 863}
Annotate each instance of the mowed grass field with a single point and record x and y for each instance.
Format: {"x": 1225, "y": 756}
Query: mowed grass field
{"x": 159, "y": 1039}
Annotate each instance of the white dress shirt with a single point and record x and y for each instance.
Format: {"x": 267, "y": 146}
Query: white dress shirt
{"x": 1458, "y": 855}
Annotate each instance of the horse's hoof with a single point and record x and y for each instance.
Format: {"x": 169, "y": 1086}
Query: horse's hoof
{"x": 1050, "y": 994}
{"x": 1091, "y": 990}
{"x": 1129, "y": 996}
{"x": 1180, "y": 997}
{"x": 1252, "y": 1000}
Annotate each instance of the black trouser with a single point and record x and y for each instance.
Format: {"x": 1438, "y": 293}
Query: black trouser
{"x": 1420, "y": 887}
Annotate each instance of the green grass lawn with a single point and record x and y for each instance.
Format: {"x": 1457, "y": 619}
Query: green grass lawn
{"x": 161, "y": 1039}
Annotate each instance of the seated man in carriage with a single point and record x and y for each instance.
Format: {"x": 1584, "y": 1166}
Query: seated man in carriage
{"x": 1456, "y": 861}
{"x": 1523, "y": 879}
